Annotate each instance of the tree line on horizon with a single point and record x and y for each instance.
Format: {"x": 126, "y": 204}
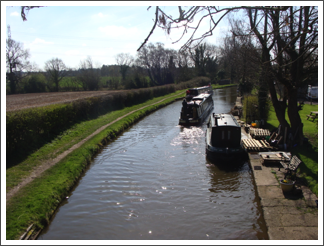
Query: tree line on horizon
{"x": 235, "y": 60}
{"x": 154, "y": 65}
{"x": 272, "y": 49}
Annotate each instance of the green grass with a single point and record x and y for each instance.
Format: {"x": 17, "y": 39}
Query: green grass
{"x": 66, "y": 140}
{"x": 308, "y": 153}
{"x": 37, "y": 201}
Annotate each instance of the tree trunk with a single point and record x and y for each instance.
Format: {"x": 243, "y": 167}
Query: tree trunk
{"x": 294, "y": 117}
{"x": 12, "y": 78}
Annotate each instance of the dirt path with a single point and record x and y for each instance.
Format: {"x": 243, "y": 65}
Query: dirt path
{"x": 46, "y": 165}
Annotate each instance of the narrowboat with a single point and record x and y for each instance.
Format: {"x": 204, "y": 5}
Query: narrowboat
{"x": 193, "y": 92}
{"x": 223, "y": 138}
{"x": 195, "y": 111}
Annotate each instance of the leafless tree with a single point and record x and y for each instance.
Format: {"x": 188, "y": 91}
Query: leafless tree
{"x": 16, "y": 61}
{"x": 88, "y": 75}
{"x": 56, "y": 71}
{"x": 25, "y": 9}
{"x": 287, "y": 36}
{"x": 124, "y": 60}
{"x": 159, "y": 62}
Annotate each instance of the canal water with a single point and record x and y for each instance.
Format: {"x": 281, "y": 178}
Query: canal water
{"x": 154, "y": 183}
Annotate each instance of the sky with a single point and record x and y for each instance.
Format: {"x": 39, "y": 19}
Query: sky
{"x": 100, "y": 30}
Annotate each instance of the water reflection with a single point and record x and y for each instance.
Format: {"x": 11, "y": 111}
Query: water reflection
{"x": 155, "y": 183}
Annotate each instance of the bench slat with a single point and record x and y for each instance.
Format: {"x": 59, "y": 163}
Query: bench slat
{"x": 292, "y": 165}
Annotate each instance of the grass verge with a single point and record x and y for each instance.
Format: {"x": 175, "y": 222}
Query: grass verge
{"x": 36, "y": 202}
{"x": 308, "y": 153}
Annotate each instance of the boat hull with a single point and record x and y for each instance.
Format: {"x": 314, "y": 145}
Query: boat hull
{"x": 223, "y": 140}
{"x": 225, "y": 155}
{"x": 198, "y": 121}
{"x": 197, "y": 110}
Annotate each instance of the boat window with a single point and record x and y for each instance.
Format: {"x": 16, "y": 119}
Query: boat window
{"x": 229, "y": 135}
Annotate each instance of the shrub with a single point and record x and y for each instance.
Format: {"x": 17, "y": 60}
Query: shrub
{"x": 250, "y": 109}
{"x": 29, "y": 129}
{"x": 35, "y": 83}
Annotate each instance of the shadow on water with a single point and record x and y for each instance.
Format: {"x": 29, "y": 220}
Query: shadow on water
{"x": 229, "y": 165}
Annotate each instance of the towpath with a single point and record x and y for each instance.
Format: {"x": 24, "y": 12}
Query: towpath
{"x": 49, "y": 163}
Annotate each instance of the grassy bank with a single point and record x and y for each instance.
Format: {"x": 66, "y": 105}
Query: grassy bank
{"x": 37, "y": 201}
{"x": 308, "y": 152}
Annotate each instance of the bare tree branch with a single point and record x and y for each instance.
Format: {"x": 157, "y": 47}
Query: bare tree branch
{"x": 156, "y": 20}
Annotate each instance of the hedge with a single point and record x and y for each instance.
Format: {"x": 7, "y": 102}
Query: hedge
{"x": 29, "y": 129}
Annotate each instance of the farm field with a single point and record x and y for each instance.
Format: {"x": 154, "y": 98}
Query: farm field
{"x": 21, "y": 101}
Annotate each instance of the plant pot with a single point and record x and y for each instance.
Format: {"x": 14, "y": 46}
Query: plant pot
{"x": 286, "y": 187}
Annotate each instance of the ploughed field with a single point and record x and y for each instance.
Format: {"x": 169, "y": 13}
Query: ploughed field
{"x": 21, "y": 101}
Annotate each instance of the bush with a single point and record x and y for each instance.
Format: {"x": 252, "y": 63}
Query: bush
{"x": 29, "y": 129}
{"x": 35, "y": 83}
{"x": 250, "y": 109}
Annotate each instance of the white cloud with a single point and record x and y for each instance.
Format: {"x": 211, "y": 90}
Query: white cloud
{"x": 119, "y": 31}
{"x": 72, "y": 52}
{"x": 14, "y": 14}
{"x": 101, "y": 15}
{"x": 40, "y": 41}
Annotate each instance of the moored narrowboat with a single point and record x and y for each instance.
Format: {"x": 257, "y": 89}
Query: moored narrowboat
{"x": 223, "y": 138}
{"x": 195, "y": 111}
{"x": 193, "y": 92}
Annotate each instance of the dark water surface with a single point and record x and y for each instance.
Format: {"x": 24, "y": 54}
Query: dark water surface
{"x": 154, "y": 182}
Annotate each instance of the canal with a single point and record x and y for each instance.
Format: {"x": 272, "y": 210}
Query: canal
{"x": 154, "y": 183}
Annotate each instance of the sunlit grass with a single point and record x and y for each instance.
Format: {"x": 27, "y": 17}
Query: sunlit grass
{"x": 37, "y": 201}
{"x": 308, "y": 152}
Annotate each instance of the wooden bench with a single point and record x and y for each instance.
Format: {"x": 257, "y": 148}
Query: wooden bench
{"x": 312, "y": 115}
{"x": 291, "y": 166}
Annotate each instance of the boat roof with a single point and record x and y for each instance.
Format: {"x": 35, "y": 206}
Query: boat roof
{"x": 201, "y": 96}
{"x": 199, "y": 88}
{"x": 225, "y": 120}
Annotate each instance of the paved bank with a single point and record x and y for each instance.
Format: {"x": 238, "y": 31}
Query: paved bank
{"x": 291, "y": 216}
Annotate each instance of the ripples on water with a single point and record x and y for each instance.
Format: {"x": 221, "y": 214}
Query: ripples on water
{"x": 154, "y": 182}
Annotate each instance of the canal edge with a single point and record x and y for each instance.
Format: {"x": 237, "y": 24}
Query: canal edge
{"x": 32, "y": 232}
{"x": 285, "y": 218}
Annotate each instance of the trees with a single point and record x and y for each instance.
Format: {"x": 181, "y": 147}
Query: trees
{"x": 16, "y": 60}
{"x": 240, "y": 57}
{"x": 88, "y": 75}
{"x": 104, "y": 70}
{"x": 56, "y": 71}
{"x": 291, "y": 35}
{"x": 287, "y": 37}
{"x": 124, "y": 61}
{"x": 159, "y": 63}
{"x": 205, "y": 60}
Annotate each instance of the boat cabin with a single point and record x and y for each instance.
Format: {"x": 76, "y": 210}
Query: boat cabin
{"x": 196, "y": 110}
{"x": 225, "y": 131}
{"x": 193, "y": 92}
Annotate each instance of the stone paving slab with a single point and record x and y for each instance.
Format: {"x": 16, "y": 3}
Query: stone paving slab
{"x": 288, "y": 216}
{"x": 266, "y": 202}
{"x": 265, "y": 178}
{"x": 302, "y": 220}
{"x": 293, "y": 233}
{"x": 279, "y": 210}
{"x": 270, "y": 191}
